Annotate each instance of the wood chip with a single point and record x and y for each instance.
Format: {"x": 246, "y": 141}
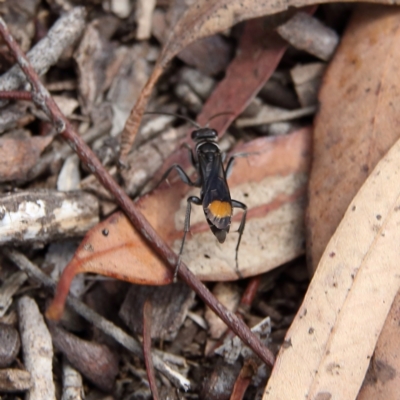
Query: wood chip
{"x": 69, "y": 177}
{"x": 203, "y": 85}
{"x": 15, "y": 380}
{"x": 309, "y": 34}
{"x": 8, "y": 288}
{"x": 170, "y": 305}
{"x": 121, "y": 8}
{"x": 93, "y": 57}
{"x": 128, "y": 82}
{"x": 307, "y": 80}
{"x": 97, "y": 362}
{"x": 14, "y": 115}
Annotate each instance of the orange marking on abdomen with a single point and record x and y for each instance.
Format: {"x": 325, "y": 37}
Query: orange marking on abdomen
{"x": 220, "y": 209}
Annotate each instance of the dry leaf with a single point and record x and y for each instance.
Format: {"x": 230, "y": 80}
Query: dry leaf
{"x": 362, "y": 87}
{"x": 18, "y": 156}
{"x": 382, "y": 379}
{"x": 358, "y": 120}
{"x": 329, "y": 345}
{"x": 205, "y": 18}
{"x": 112, "y": 248}
{"x": 333, "y": 337}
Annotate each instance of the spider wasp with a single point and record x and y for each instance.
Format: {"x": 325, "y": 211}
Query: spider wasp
{"x": 215, "y": 196}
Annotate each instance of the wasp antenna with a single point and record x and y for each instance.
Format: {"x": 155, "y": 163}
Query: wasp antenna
{"x": 194, "y": 123}
{"x": 218, "y": 115}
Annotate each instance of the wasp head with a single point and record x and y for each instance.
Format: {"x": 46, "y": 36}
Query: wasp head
{"x": 204, "y": 134}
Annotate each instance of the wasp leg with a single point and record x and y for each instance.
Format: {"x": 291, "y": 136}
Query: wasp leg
{"x": 238, "y": 204}
{"x": 191, "y": 155}
{"x": 186, "y": 229}
{"x": 229, "y": 166}
{"x": 182, "y": 174}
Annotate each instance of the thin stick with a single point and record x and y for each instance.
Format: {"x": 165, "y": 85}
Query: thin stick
{"x": 43, "y": 99}
{"x": 15, "y": 95}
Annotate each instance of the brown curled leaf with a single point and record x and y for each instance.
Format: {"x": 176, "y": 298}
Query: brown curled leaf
{"x": 112, "y": 248}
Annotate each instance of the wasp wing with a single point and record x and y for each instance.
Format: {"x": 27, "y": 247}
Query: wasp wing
{"x": 216, "y": 197}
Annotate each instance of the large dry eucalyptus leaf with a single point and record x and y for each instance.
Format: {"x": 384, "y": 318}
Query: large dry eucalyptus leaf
{"x": 328, "y": 348}
{"x": 358, "y": 122}
{"x": 359, "y": 119}
{"x": 336, "y": 329}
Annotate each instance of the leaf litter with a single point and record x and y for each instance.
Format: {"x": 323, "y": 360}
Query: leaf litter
{"x": 283, "y": 161}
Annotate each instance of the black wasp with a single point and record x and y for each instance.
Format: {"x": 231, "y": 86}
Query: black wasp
{"x": 214, "y": 197}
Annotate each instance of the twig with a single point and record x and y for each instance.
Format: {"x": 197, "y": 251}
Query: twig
{"x": 97, "y": 320}
{"x": 244, "y": 306}
{"x": 147, "y": 349}
{"x": 43, "y": 99}
{"x": 15, "y": 95}
{"x": 250, "y": 292}
{"x": 72, "y": 382}
{"x": 37, "y": 349}
{"x": 243, "y": 380}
